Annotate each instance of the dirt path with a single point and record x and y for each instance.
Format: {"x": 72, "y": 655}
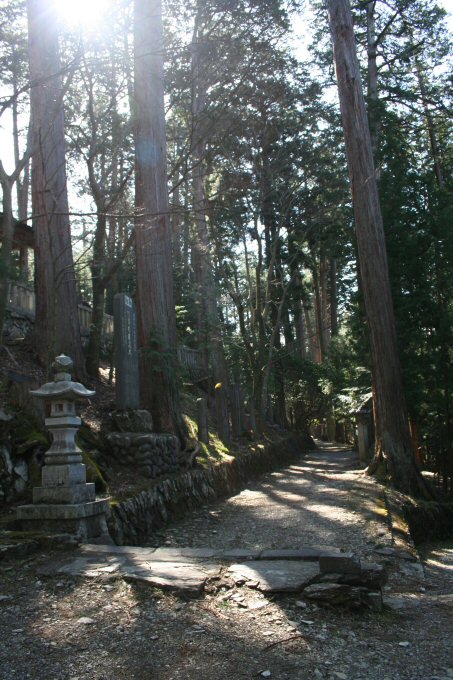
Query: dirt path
{"x": 316, "y": 501}
{"x": 67, "y": 628}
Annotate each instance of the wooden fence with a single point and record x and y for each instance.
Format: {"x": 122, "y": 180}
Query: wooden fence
{"x": 191, "y": 359}
{"x": 21, "y": 299}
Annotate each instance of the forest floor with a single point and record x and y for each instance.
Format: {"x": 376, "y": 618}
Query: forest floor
{"x": 72, "y": 628}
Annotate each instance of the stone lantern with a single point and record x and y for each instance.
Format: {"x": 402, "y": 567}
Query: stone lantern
{"x": 65, "y": 502}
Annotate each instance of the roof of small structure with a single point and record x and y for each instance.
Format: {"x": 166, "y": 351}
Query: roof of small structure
{"x": 24, "y": 234}
{"x": 365, "y": 406}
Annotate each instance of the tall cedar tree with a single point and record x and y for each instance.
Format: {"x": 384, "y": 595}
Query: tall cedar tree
{"x": 57, "y": 324}
{"x": 155, "y": 305}
{"x": 393, "y": 453}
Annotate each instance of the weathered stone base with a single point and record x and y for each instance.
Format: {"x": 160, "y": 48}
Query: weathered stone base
{"x": 64, "y": 495}
{"x": 153, "y": 455}
{"x": 67, "y": 474}
{"x": 85, "y": 520}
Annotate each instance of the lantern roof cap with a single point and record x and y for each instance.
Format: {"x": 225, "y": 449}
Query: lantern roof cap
{"x": 62, "y": 386}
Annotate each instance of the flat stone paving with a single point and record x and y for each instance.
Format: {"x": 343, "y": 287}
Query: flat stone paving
{"x": 188, "y": 569}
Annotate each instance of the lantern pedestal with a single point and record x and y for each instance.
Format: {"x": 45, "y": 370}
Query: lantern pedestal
{"x": 65, "y": 503}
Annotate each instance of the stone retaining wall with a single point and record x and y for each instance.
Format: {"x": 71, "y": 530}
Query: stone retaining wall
{"x": 17, "y": 325}
{"x": 153, "y": 455}
{"x": 133, "y": 520}
{"x": 428, "y": 520}
{"x": 14, "y": 476}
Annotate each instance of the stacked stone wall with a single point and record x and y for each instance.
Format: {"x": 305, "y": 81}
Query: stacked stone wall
{"x": 153, "y": 455}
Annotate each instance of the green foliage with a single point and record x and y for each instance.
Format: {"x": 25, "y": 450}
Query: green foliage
{"x": 308, "y": 390}
{"x": 350, "y": 382}
{"x": 159, "y": 355}
{"x": 211, "y": 453}
{"x": 418, "y": 217}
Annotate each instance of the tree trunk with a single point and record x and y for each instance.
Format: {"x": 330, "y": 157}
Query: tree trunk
{"x": 446, "y": 445}
{"x": 393, "y": 453}
{"x": 325, "y": 316}
{"x": 6, "y": 247}
{"x": 57, "y": 323}
{"x": 299, "y": 325}
{"x": 97, "y": 327}
{"x": 319, "y": 335}
{"x": 208, "y": 324}
{"x": 98, "y": 289}
{"x": 22, "y": 186}
{"x": 435, "y": 151}
{"x": 333, "y": 298}
{"x": 372, "y": 76}
{"x": 314, "y": 355}
{"x": 155, "y": 302}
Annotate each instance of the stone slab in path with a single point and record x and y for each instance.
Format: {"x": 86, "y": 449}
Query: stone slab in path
{"x": 134, "y": 564}
{"x": 310, "y": 553}
{"x": 170, "y": 554}
{"x": 188, "y": 569}
{"x": 275, "y": 576}
{"x": 188, "y": 579}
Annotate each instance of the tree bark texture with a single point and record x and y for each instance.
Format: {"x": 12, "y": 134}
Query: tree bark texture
{"x": 393, "y": 453}
{"x": 208, "y": 323}
{"x": 57, "y": 323}
{"x": 333, "y": 298}
{"x": 314, "y": 353}
{"x": 155, "y": 302}
{"x": 6, "y": 245}
{"x": 372, "y": 82}
{"x": 98, "y": 291}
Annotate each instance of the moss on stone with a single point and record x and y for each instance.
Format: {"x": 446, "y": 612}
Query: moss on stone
{"x": 94, "y": 473}
{"x": 9, "y": 537}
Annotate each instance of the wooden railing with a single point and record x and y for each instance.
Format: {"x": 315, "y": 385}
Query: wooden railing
{"x": 191, "y": 359}
{"x": 85, "y": 315}
{"x": 21, "y": 299}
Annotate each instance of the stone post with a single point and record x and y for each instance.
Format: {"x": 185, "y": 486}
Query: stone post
{"x": 270, "y": 410}
{"x": 235, "y": 406}
{"x": 65, "y": 503}
{"x": 331, "y": 426}
{"x": 242, "y": 408}
{"x": 362, "y": 438}
{"x": 202, "y": 420}
{"x": 252, "y": 416}
{"x": 127, "y": 390}
{"x": 223, "y": 422}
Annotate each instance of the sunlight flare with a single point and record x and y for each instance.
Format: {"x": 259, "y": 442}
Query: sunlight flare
{"x": 85, "y": 14}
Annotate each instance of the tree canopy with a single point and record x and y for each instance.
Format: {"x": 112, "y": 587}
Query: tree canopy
{"x": 192, "y": 155}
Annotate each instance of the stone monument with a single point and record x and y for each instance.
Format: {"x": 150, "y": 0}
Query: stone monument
{"x": 127, "y": 393}
{"x": 129, "y": 435}
{"x": 202, "y": 420}
{"x": 65, "y": 503}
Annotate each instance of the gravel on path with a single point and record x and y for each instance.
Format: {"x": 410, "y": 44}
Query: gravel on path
{"x": 105, "y": 629}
